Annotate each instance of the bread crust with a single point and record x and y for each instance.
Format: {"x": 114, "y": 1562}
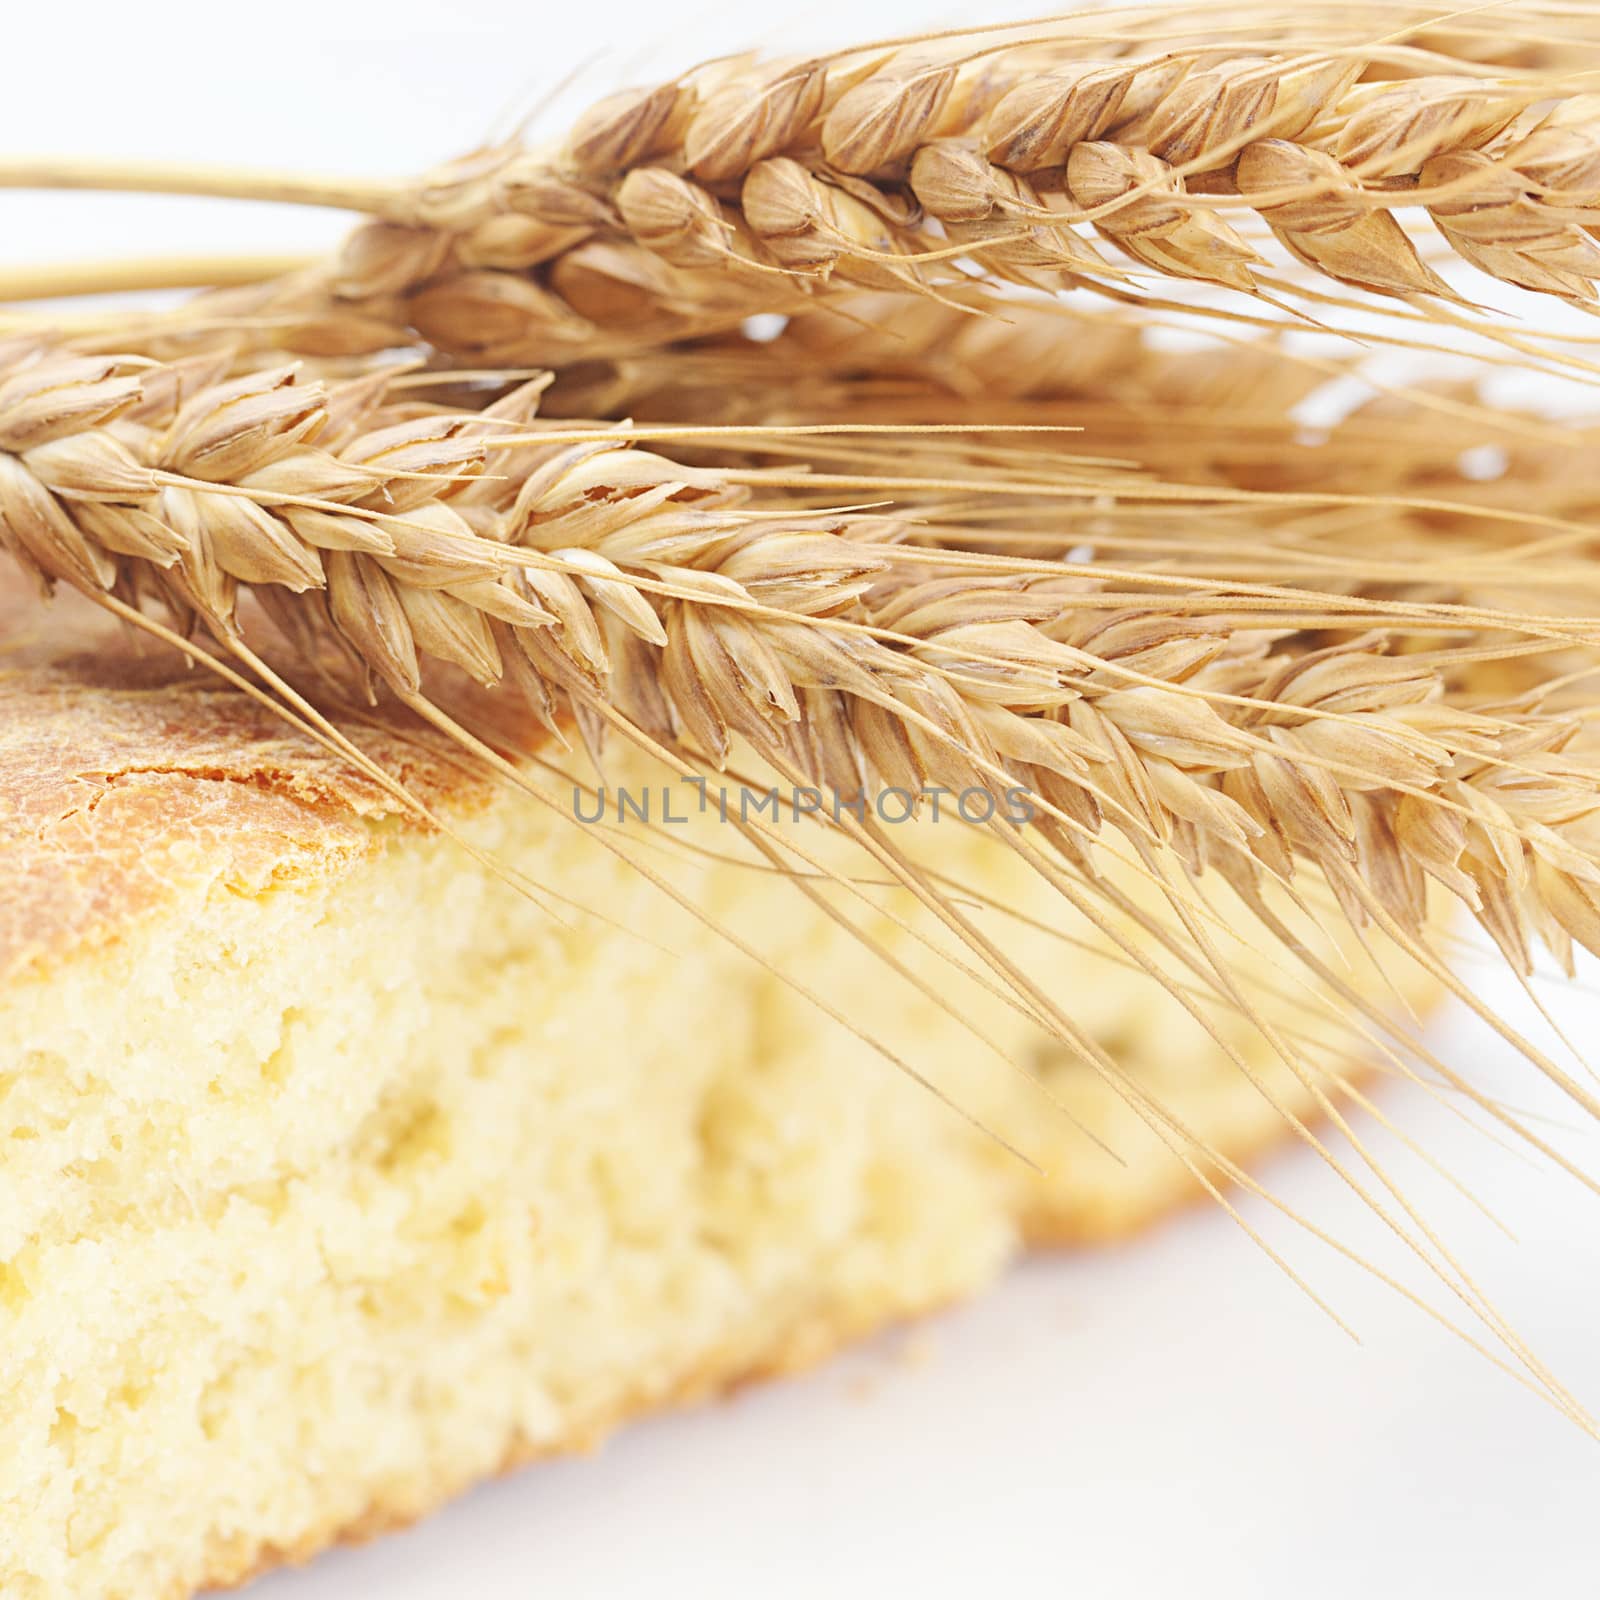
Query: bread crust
{"x": 129, "y": 777}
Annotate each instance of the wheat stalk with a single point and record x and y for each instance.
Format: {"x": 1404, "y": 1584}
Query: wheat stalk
{"x": 747, "y": 187}
{"x": 1401, "y": 544}
{"x": 836, "y": 165}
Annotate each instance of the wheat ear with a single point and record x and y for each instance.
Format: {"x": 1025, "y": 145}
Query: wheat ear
{"x": 748, "y": 187}
{"x": 1427, "y": 492}
{"x": 722, "y": 616}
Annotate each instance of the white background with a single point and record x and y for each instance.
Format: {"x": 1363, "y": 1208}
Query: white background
{"x": 1173, "y": 1417}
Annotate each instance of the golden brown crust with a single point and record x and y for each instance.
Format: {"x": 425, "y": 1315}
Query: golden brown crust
{"x": 128, "y": 777}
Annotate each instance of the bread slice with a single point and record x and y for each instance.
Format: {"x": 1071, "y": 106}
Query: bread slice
{"x": 337, "y": 1173}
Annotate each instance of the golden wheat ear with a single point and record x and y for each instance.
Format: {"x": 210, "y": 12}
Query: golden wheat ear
{"x": 1317, "y": 146}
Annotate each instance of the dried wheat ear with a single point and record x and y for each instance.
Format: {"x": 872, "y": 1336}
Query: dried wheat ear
{"x": 1007, "y": 157}
{"x": 1197, "y": 686}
